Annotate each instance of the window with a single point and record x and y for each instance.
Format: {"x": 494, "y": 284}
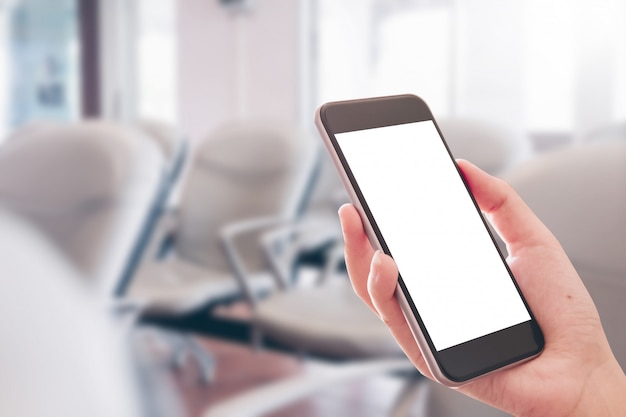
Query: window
{"x": 39, "y": 69}
{"x": 533, "y": 66}
{"x": 381, "y": 48}
{"x": 157, "y": 60}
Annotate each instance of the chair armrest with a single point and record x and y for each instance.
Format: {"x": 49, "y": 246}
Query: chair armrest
{"x": 164, "y": 230}
{"x": 157, "y": 227}
{"x": 336, "y": 257}
{"x": 228, "y": 236}
{"x": 282, "y": 246}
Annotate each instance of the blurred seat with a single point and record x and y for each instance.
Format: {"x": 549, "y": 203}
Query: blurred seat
{"x": 174, "y": 148}
{"x": 329, "y": 193}
{"x": 29, "y": 128}
{"x": 248, "y": 176}
{"x": 172, "y": 144}
{"x": 60, "y": 354}
{"x": 89, "y": 187}
{"x": 615, "y": 131}
{"x": 490, "y": 147}
{"x": 580, "y": 194}
{"x": 344, "y": 328}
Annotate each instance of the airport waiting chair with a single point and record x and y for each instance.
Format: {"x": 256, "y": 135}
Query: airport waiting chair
{"x": 247, "y": 176}
{"x": 60, "y": 353}
{"x": 89, "y": 186}
{"x": 76, "y": 361}
{"x": 491, "y": 147}
{"x": 29, "y": 128}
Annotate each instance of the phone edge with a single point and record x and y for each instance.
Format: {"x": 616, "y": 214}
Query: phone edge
{"x": 418, "y": 335}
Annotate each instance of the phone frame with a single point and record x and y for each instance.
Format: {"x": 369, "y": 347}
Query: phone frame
{"x": 500, "y": 350}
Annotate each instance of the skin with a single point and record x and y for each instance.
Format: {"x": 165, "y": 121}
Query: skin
{"x": 576, "y": 374}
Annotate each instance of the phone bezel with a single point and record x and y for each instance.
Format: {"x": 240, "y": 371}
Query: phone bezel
{"x": 486, "y": 354}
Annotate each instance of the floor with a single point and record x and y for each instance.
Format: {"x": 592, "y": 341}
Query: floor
{"x": 239, "y": 369}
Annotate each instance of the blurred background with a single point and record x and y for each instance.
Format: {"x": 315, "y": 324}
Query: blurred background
{"x": 167, "y": 205}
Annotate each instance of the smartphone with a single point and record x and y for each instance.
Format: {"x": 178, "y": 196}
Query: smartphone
{"x": 459, "y": 297}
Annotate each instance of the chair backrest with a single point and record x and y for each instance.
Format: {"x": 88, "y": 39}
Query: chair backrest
{"x": 491, "y": 147}
{"x": 60, "y": 354}
{"x": 173, "y": 149}
{"x": 616, "y": 131}
{"x": 29, "y": 128}
{"x": 242, "y": 170}
{"x": 172, "y": 144}
{"x": 88, "y": 186}
{"x": 580, "y": 194}
{"x": 329, "y": 193}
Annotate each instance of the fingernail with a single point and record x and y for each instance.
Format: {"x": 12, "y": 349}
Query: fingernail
{"x": 376, "y": 263}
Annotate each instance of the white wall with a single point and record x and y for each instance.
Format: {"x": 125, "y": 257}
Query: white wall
{"x": 5, "y": 88}
{"x": 214, "y": 42}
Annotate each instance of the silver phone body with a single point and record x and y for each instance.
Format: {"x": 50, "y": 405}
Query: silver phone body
{"x": 411, "y": 320}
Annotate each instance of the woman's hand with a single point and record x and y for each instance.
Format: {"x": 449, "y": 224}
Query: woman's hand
{"x": 576, "y": 374}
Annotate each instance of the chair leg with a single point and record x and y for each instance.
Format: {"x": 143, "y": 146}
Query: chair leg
{"x": 413, "y": 395}
{"x": 184, "y": 346}
{"x": 206, "y": 363}
{"x": 179, "y": 353}
{"x": 181, "y": 346}
{"x": 256, "y": 338}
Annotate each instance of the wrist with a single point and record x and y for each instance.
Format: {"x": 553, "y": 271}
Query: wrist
{"x": 604, "y": 394}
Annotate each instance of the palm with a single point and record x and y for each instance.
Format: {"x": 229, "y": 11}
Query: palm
{"x": 569, "y": 320}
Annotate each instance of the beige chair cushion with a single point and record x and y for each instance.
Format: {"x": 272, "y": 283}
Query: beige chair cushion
{"x": 88, "y": 186}
{"x": 492, "y": 148}
{"x": 164, "y": 135}
{"x": 241, "y": 171}
{"x": 580, "y": 194}
{"x": 328, "y": 320}
{"x": 616, "y": 131}
{"x": 176, "y": 286}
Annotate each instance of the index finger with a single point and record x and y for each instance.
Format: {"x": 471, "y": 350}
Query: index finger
{"x": 513, "y": 219}
{"x": 358, "y": 251}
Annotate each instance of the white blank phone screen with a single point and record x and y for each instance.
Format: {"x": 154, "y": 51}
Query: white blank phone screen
{"x": 444, "y": 254}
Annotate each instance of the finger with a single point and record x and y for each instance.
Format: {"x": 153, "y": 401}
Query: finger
{"x": 514, "y": 221}
{"x": 358, "y": 250}
{"x": 381, "y": 284}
